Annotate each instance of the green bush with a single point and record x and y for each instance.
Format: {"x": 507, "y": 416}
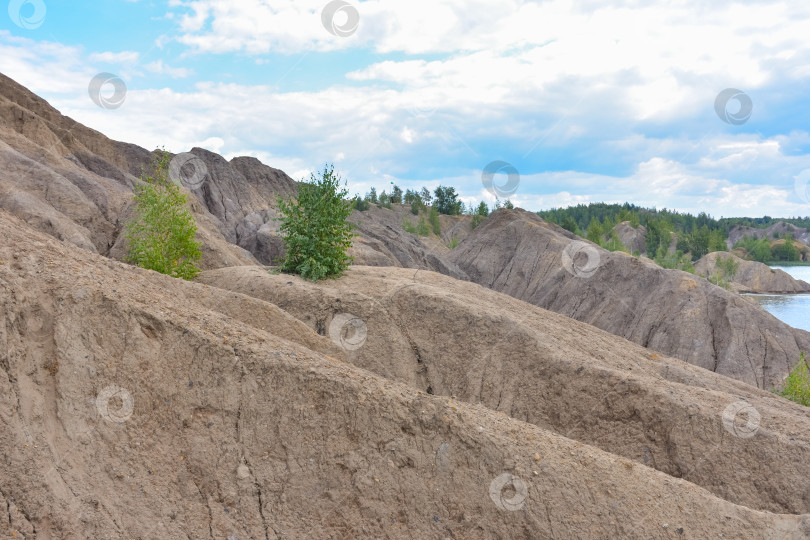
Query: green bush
{"x": 162, "y": 231}
{"x": 434, "y": 221}
{"x": 314, "y": 227}
{"x": 361, "y": 205}
{"x": 408, "y": 226}
{"x": 797, "y": 384}
{"x": 422, "y": 229}
{"x": 453, "y": 243}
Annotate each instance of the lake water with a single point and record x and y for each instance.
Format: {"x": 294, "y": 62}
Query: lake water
{"x": 794, "y": 309}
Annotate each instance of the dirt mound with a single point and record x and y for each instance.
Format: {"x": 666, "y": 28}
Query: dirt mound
{"x": 669, "y": 311}
{"x": 753, "y": 276}
{"x": 137, "y": 406}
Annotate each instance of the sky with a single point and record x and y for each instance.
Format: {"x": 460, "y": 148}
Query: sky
{"x": 688, "y": 105}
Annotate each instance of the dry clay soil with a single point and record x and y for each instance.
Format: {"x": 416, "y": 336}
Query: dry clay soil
{"x": 133, "y": 405}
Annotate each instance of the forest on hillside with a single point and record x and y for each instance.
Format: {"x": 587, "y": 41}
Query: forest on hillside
{"x": 694, "y": 235}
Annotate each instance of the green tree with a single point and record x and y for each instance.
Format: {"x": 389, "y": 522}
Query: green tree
{"x": 717, "y": 241}
{"x": 396, "y": 195}
{"x": 785, "y": 251}
{"x": 427, "y": 198}
{"x": 725, "y": 270}
{"x": 314, "y": 227}
{"x": 385, "y": 200}
{"x": 162, "y": 232}
{"x": 480, "y": 214}
{"x": 505, "y": 204}
{"x": 699, "y": 242}
{"x": 447, "y": 201}
{"x": 594, "y": 233}
{"x": 757, "y": 249}
{"x": 371, "y": 196}
{"x": 569, "y": 224}
{"x": 360, "y": 204}
{"x": 417, "y": 206}
{"x": 411, "y": 196}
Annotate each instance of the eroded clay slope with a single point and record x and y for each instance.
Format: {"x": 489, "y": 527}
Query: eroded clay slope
{"x": 454, "y": 338}
{"x": 517, "y": 253}
{"x": 129, "y": 409}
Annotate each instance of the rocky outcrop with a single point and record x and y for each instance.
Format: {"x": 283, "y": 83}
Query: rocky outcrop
{"x": 76, "y": 184}
{"x": 752, "y": 276}
{"x": 669, "y": 311}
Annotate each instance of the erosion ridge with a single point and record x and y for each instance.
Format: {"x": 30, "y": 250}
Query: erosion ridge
{"x": 226, "y": 428}
{"x": 673, "y": 312}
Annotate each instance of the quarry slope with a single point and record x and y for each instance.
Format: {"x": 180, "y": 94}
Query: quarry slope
{"x": 456, "y": 339}
{"x": 138, "y": 406}
{"x": 669, "y": 311}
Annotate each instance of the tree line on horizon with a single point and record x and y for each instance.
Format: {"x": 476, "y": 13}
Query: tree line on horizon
{"x": 443, "y": 200}
{"x": 694, "y": 236}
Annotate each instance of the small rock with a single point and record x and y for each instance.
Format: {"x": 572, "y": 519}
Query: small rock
{"x": 242, "y": 472}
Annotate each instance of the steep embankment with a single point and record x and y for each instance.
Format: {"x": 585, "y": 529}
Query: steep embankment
{"x": 75, "y": 184}
{"x": 518, "y": 253}
{"x": 134, "y": 405}
{"x": 453, "y": 338}
{"x": 752, "y": 276}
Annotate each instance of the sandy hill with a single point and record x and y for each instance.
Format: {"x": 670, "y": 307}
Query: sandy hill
{"x": 669, "y": 311}
{"x": 138, "y": 406}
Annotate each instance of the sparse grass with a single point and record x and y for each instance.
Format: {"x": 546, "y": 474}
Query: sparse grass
{"x": 797, "y": 384}
{"x": 453, "y": 243}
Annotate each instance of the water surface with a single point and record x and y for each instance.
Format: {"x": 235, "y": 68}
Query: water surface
{"x": 793, "y": 309}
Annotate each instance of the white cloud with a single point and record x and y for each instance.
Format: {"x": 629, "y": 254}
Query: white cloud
{"x": 123, "y": 57}
{"x": 163, "y": 69}
{"x": 529, "y": 77}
